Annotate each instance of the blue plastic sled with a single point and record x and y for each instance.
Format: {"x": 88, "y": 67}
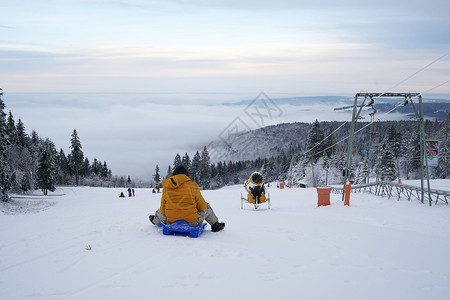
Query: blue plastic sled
{"x": 182, "y": 227}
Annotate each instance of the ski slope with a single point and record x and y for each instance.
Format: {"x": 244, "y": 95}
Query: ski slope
{"x": 87, "y": 243}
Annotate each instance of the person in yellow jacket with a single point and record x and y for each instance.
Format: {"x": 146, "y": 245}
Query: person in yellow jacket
{"x": 182, "y": 200}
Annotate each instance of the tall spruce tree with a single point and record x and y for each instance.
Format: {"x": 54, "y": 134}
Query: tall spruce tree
{"x": 196, "y": 167}
{"x": 63, "y": 168}
{"x": 177, "y": 161}
{"x": 5, "y": 172}
{"x": 394, "y": 140}
{"x": 443, "y": 168}
{"x": 169, "y": 172}
{"x": 385, "y": 168}
{"x": 77, "y": 156}
{"x": 186, "y": 161}
{"x": 47, "y": 168}
{"x": 106, "y": 172}
{"x": 329, "y": 143}
{"x": 315, "y": 144}
{"x": 11, "y": 130}
{"x": 22, "y": 137}
{"x": 156, "y": 176}
{"x": 361, "y": 172}
{"x": 205, "y": 169}
{"x": 411, "y": 156}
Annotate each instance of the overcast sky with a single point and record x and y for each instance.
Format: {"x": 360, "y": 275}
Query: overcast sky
{"x": 205, "y": 52}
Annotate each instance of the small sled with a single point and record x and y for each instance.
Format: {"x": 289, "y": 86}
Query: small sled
{"x": 256, "y": 204}
{"x": 182, "y": 227}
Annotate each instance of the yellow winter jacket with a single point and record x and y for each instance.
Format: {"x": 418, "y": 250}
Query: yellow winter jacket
{"x": 181, "y": 199}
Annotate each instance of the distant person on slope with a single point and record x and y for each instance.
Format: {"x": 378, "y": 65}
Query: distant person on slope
{"x": 181, "y": 200}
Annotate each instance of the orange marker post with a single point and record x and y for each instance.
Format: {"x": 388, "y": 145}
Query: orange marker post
{"x": 348, "y": 187}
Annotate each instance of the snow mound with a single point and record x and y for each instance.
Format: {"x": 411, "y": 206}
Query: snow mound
{"x": 25, "y": 205}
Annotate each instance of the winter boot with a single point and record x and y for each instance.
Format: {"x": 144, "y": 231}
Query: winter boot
{"x": 218, "y": 226}
{"x": 151, "y": 217}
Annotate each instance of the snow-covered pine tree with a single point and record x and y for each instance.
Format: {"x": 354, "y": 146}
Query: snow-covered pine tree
{"x": 195, "y": 168}
{"x": 394, "y": 140}
{"x": 411, "y": 155}
{"x": 205, "y": 169}
{"x": 25, "y": 182}
{"x": 220, "y": 177}
{"x": 385, "y": 168}
{"x": 186, "y": 161}
{"x": 329, "y": 143}
{"x": 47, "y": 169}
{"x": 96, "y": 166}
{"x": 77, "y": 156}
{"x": 22, "y": 137}
{"x": 361, "y": 172}
{"x": 85, "y": 168}
{"x": 106, "y": 172}
{"x": 11, "y": 130}
{"x": 315, "y": 144}
{"x": 156, "y": 176}
{"x": 177, "y": 161}
{"x": 269, "y": 170}
{"x": 169, "y": 172}
{"x": 29, "y": 155}
{"x": 443, "y": 168}
{"x": 5, "y": 172}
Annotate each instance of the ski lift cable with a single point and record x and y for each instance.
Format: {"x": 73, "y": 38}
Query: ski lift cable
{"x": 394, "y": 86}
{"x": 317, "y": 144}
{"x": 349, "y": 135}
{"x": 420, "y": 70}
{"x": 439, "y": 85}
{"x": 395, "y": 107}
{"x": 400, "y": 104}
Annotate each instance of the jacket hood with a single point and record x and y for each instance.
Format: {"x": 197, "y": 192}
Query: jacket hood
{"x": 175, "y": 181}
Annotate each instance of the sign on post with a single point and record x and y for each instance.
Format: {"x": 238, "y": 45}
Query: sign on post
{"x": 432, "y": 150}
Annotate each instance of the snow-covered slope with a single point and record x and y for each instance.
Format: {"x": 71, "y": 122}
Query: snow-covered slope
{"x": 375, "y": 249}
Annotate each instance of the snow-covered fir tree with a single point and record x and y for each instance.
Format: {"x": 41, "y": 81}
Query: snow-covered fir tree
{"x": 329, "y": 143}
{"x": 22, "y": 137}
{"x": 394, "y": 140}
{"x": 169, "y": 172}
{"x": 77, "y": 156}
{"x": 177, "y": 161}
{"x": 410, "y": 160}
{"x": 47, "y": 169}
{"x": 156, "y": 176}
{"x": 11, "y": 130}
{"x": 361, "y": 173}
{"x": 205, "y": 169}
{"x": 385, "y": 168}
{"x": 186, "y": 161}
{"x": 196, "y": 167}
{"x": 443, "y": 168}
{"x": 315, "y": 143}
{"x": 5, "y": 172}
